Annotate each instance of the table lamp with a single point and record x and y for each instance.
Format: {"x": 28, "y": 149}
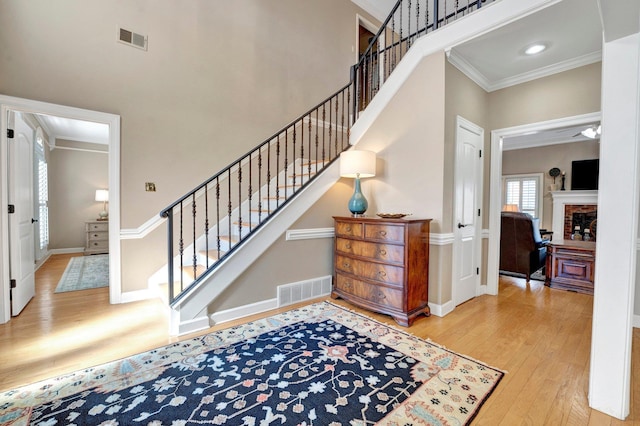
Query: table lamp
{"x": 103, "y": 195}
{"x": 357, "y": 164}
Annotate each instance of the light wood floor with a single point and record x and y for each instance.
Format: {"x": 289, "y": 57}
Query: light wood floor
{"x": 541, "y": 337}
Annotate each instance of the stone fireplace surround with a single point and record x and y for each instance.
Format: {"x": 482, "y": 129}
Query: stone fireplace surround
{"x": 578, "y": 202}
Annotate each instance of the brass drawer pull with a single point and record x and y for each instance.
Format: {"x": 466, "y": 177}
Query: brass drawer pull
{"x": 348, "y": 246}
{"x": 348, "y": 284}
{"x": 348, "y": 228}
{"x": 382, "y": 252}
{"x": 382, "y": 274}
{"x": 346, "y": 265}
{"x": 383, "y": 233}
{"x": 381, "y": 295}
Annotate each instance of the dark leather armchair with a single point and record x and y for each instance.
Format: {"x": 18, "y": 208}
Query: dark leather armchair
{"x": 522, "y": 249}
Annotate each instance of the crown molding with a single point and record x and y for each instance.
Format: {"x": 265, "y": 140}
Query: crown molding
{"x": 489, "y": 86}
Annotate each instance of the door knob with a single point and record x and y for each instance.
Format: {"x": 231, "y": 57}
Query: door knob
{"x": 34, "y": 220}
{"x": 460, "y": 225}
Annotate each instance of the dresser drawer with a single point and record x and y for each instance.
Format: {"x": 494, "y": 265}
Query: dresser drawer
{"x": 97, "y": 236}
{"x": 388, "y": 274}
{"x": 93, "y": 226}
{"x": 346, "y": 229}
{"x": 389, "y": 233}
{"x": 382, "y": 252}
{"x": 98, "y": 245}
{"x": 380, "y": 295}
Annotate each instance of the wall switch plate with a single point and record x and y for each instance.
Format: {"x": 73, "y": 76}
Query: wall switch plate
{"x": 150, "y": 187}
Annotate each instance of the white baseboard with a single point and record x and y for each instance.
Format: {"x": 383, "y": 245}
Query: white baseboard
{"x": 67, "y": 250}
{"x": 244, "y": 311}
{"x": 191, "y": 326}
{"x": 441, "y": 310}
{"x": 138, "y": 295}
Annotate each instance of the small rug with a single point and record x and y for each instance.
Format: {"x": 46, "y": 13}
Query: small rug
{"x": 538, "y": 275}
{"x": 85, "y": 272}
{"x": 317, "y": 365}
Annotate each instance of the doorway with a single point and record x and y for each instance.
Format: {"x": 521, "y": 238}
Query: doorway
{"x": 495, "y": 196}
{"x": 369, "y": 76}
{"x": 7, "y": 104}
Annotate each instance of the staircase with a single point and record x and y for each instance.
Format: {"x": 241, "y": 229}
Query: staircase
{"x": 209, "y": 227}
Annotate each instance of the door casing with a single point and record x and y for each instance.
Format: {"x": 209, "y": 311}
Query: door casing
{"x": 9, "y": 103}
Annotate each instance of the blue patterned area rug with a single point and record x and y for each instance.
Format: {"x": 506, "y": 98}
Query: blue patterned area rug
{"x": 317, "y": 365}
{"x": 85, "y": 272}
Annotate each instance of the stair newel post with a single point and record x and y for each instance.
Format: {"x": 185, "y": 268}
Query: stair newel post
{"x": 301, "y": 151}
{"x": 229, "y": 203}
{"x": 317, "y": 139}
{"x": 218, "y": 215}
{"x": 309, "y": 146}
{"x": 435, "y": 14}
{"x": 342, "y": 125}
{"x": 249, "y": 190}
{"x": 268, "y": 172}
{"x": 240, "y": 199}
{"x": 193, "y": 239}
{"x": 169, "y": 215}
{"x": 277, "y": 171}
{"x": 409, "y": 25}
{"x": 323, "y": 142}
{"x": 354, "y": 81}
{"x": 286, "y": 163}
{"x": 330, "y": 122}
{"x": 206, "y": 224}
{"x": 181, "y": 247}
{"x": 293, "y": 161}
{"x": 335, "y": 126}
{"x": 260, "y": 185}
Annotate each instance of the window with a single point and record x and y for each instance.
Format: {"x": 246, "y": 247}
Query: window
{"x": 525, "y": 191}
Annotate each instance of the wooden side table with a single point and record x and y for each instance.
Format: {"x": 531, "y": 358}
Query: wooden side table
{"x": 570, "y": 265}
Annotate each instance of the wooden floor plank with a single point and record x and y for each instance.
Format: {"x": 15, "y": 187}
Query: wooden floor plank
{"x": 541, "y": 337}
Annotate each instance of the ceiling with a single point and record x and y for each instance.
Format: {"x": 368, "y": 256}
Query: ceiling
{"x": 496, "y": 60}
{"x": 74, "y": 130}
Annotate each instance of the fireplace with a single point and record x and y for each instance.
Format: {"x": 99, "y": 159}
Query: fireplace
{"x": 584, "y": 204}
{"x": 581, "y": 216}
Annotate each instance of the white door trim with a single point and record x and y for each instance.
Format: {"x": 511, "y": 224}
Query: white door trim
{"x": 495, "y": 188}
{"x": 113, "y": 121}
{"x": 462, "y": 122}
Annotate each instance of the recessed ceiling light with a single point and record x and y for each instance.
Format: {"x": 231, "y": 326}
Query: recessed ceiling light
{"x": 535, "y": 48}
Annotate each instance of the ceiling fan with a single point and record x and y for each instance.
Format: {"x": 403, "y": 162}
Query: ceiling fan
{"x": 591, "y": 132}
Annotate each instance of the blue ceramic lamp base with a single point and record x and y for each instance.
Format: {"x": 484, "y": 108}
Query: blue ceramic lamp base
{"x": 358, "y": 203}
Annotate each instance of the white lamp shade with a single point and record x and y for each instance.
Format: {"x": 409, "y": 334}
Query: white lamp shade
{"x": 354, "y": 163}
{"x": 102, "y": 195}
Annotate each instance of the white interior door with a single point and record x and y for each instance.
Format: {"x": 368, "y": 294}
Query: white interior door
{"x": 21, "y": 225}
{"x": 468, "y": 196}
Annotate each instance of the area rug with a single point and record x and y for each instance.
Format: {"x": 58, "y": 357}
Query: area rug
{"x": 85, "y": 272}
{"x": 317, "y": 365}
{"x": 539, "y": 275}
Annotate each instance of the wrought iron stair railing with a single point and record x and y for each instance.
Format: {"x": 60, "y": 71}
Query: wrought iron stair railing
{"x": 407, "y": 21}
{"x": 215, "y": 218}
{"x": 218, "y": 216}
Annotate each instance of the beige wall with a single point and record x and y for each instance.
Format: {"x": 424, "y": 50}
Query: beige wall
{"x": 466, "y": 99}
{"x": 564, "y": 94}
{"x": 74, "y": 177}
{"x": 542, "y": 159}
{"x": 218, "y": 78}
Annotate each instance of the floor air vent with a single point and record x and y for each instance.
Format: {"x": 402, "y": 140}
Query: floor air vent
{"x": 303, "y": 290}
{"x": 132, "y": 39}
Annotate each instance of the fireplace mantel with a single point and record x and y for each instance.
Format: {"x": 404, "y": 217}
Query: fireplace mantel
{"x": 562, "y": 198}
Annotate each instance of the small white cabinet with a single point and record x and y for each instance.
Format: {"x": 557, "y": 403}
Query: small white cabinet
{"x": 97, "y": 237}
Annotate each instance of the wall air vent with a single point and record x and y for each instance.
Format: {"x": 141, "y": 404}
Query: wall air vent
{"x": 132, "y": 39}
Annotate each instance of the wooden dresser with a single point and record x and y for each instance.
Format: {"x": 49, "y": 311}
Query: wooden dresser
{"x": 97, "y": 237}
{"x": 383, "y": 265}
{"x": 570, "y": 265}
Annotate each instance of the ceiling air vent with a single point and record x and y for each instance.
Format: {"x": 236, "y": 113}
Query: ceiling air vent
{"x": 132, "y": 39}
